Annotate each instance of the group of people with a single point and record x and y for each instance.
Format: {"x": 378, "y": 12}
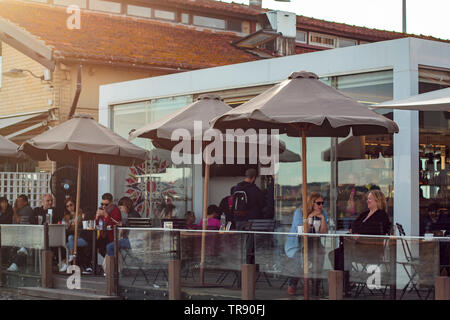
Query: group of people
{"x": 107, "y": 215}
{"x": 373, "y": 221}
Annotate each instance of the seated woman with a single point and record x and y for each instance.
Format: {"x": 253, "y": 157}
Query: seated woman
{"x": 213, "y": 216}
{"x": 127, "y": 211}
{"x": 69, "y": 222}
{"x": 374, "y": 221}
{"x": 317, "y": 217}
{"x": 6, "y": 211}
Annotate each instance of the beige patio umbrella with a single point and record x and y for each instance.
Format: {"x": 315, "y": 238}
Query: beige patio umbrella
{"x": 9, "y": 151}
{"x": 83, "y": 137}
{"x": 207, "y": 107}
{"x": 303, "y": 106}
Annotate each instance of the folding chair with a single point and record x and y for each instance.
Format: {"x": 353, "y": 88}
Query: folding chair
{"x": 413, "y": 263}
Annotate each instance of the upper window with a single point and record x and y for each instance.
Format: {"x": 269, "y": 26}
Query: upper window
{"x": 166, "y": 15}
{"x": 234, "y": 25}
{"x": 346, "y": 43}
{"x": 139, "y": 11}
{"x": 301, "y": 36}
{"x": 322, "y": 40}
{"x": 185, "y": 18}
{"x": 106, "y": 6}
{"x": 209, "y": 22}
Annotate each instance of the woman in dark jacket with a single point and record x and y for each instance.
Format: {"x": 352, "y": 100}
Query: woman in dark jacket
{"x": 375, "y": 221}
{"x": 6, "y": 211}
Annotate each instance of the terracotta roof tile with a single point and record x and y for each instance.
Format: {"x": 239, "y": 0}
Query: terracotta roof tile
{"x": 218, "y": 6}
{"x": 361, "y": 33}
{"x": 125, "y": 40}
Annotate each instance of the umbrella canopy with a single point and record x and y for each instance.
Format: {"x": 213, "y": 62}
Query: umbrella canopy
{"x": 9, "y": 151}
{"x": 438, "y": 100}
{"x": 207, "y": 107}
{"x": 304, "y": 100}
{"x": 289, "y": 156}
{"x": 83, "y": 137}
{"x": 83, "y": 134}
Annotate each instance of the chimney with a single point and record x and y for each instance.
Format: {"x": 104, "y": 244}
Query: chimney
{"x": 257, "y": 4}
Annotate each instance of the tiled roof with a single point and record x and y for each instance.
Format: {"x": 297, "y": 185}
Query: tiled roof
{"x": 125, "y": 40}
{"x": 218, "y": 6}
{"x": 360, "y": 33}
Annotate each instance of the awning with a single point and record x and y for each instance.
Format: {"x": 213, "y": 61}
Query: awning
{"x": 438, "y": 100}
{"x": 22, "y": 126}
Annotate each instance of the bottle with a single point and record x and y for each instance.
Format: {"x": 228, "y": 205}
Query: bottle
{"x": 222, "y": 222}
{"x": 100, "y": 223}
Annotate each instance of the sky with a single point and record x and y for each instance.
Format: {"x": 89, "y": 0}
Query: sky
{"x": 427, "y": 17}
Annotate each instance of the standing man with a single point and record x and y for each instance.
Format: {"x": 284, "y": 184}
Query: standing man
{"x": 248, "y": 200}
{"x": 248, "y": 204}
{"x": 23, "y": 214}
{"x": 42, "y": 211}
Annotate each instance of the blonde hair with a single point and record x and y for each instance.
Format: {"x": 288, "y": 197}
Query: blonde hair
{"x": 379, "y": 198}
{"x": 313, "y": 196}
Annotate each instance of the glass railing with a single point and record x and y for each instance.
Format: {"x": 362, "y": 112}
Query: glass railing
{"x": 373, "y": 267}
{"x": 21, "y": 259}
{"x": 214, "y": 264}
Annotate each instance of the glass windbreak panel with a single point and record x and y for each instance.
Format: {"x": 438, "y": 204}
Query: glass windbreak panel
{"x": 158, "y": 188}
{"x": 288, "y": 180}
{"x": 280, "y": 259}
{"x": 434, "y": 161}
{"x": 21, "y": 247}
{"x": 219, "y": 260}
{"x": 381, "y": 268}
{"x": 145, "y": 258}
{"x": 363, "y": 163}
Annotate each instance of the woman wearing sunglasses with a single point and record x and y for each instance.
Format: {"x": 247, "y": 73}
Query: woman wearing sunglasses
{"x": 69, "y": 221}
{"x": 294, "y": 245}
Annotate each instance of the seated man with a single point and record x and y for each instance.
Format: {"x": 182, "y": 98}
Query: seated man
{"x": 43, "y": 210}
{"x": 23, "y": 214}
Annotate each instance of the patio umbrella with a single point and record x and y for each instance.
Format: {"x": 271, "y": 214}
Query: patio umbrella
{"x": 9, "y": 151}
{"x": 303, "y": 106}
{"x": 438, "y": 100}
{"x": 207, "y": 107}
{"x": 83, "y": 137}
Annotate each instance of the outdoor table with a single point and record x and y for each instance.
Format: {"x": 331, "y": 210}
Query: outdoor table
{"x": 57, "y": 238}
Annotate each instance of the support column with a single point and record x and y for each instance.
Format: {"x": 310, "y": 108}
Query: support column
{"x": 248, "y": 281}
{"x": 175, "y": 280}
{"x": 442, "y": 288}
{"x": 336, "y": 284}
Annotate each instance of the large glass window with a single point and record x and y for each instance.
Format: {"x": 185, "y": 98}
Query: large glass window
{"x": 434, "y": 155}
{"x": 364, "y": 163}
{"x": 158, "y": 182}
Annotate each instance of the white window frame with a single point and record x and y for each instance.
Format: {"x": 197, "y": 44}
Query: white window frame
{"x": 347, "y": 39}
{"x": 315, "y": 34}
{"x": 306, "y": 36}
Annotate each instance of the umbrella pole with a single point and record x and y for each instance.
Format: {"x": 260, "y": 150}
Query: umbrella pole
{"x": 205, "y": 222}
{"x": 305, "y": 217}
{"x": 75, "y": 243}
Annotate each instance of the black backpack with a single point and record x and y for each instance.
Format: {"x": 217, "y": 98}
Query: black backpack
{"x": 240, "y": 203}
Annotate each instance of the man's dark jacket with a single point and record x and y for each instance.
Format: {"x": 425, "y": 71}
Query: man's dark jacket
{"x": 255, "y": 200}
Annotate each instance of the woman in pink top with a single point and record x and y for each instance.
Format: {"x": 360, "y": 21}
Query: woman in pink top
{"x": 212, "y": 214}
